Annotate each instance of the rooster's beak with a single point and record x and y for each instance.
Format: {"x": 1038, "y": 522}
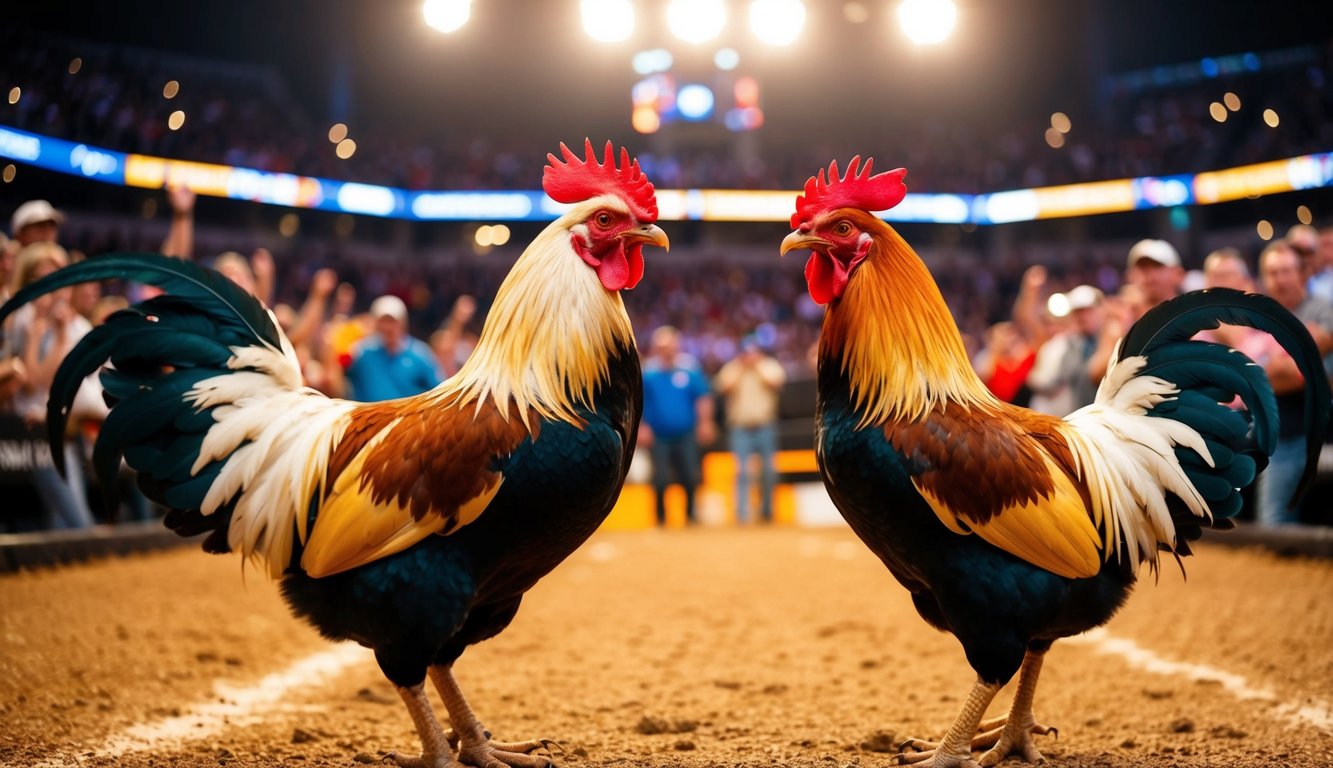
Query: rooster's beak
{"x": 648, "y": 233}
{"x": 798, "y": 240}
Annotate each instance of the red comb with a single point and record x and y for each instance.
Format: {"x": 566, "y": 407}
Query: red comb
{"x": 575, "y": 180}
{"x": 869, "y": 193}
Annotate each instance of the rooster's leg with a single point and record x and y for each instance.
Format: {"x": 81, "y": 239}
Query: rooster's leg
{"x": 1016, "y": 735}
{"x": 435, "y": 752}
{"x": 475, "y": 747}
{"x": 955, "y": 749}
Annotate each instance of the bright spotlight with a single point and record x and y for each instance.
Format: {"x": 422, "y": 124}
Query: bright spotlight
{"x": 696, "y": 21}
{"x": 927, "y": 21}
{"x": 777, "y": 22}
{"x": 607, "y": 21}
{"x": 447, "y": 15}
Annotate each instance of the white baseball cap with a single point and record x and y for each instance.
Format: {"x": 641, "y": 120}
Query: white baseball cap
{"x": 33, "y": 212}
{"x": 1159, "y": 251}
{"x": 1082, "y": 297}
{"x": 389, "y": 306}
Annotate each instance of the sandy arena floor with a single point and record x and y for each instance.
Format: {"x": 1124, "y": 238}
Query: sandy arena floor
{"x": 774, "y": 647}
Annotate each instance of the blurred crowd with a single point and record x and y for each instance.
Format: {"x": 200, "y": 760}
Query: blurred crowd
{"x": 724, "y": 337}
{"x": 121, "y": 98}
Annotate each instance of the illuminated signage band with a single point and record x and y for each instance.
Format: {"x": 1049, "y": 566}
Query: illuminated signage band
{"x": 1304, "y": 172}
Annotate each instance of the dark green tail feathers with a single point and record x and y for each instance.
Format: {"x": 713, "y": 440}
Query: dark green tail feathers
{"x": 158, "y": 349}
{"x": 1211, "y": 373}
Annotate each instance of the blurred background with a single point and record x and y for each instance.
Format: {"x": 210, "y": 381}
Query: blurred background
{"x": 329, "y": 154}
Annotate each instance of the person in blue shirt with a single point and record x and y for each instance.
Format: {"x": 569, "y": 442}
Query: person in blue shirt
{"x": 389, "y": 363}
{"x": 677, "y": 418}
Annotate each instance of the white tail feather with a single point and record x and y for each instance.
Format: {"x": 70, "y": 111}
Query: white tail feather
{"x": 275, "y": 437}
{"x": 1128, "y": 460}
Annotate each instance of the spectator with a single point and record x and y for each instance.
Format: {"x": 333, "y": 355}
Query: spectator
{"x": 452, "y": 343}
{"x": 41, "y": 334}
{"x": 1321, "y": 277}
{"x": 1059, "y": 377}
{"x": 390, "y": 364}
{"x": 1153, "y": 274}
{"x": 1005, "y": 362}
{"x": 35, "y": 222}
{"x": 1226, "y": 268}
{"x": 750, "y": 385}
{"x": 677, "y": 419}
{"x": 1304, "y": 240}
{"x": 1283, "y": 277}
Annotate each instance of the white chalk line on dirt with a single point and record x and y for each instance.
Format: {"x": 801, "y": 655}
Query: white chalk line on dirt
{"x": 232, "y": 705}
{"x": 1310, "y": 712}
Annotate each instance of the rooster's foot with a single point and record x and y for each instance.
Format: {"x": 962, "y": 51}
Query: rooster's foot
{"x": 419, "y": 761}
{"x": 1018, "y": 741}
{"x": 485, "y": 753}
{"x": 928, "y": 755}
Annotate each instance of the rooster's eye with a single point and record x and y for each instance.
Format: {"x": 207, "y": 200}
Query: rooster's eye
{"x": 842, "y": 229}
{"x": 603, "y": 219}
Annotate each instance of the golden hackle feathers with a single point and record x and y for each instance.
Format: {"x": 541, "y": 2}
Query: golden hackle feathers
{"x": 893, "y": 336}
{"x": 549, "y": 336}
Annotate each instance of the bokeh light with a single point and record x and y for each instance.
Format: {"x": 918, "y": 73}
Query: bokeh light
{"x": 1303, "y": 214}
{"x": 14, "y": 94}
{"x": 1218, "y": 111}
{"x": 1060, "y": 122}
{"x": 75, "y": 64}
{"x": 1055, "y": 138}
{"x": 1270, "y": 118}
{"x": 176, "y": 120}
{"x": 1058, "y": 305}
{"x": 607, "y": 21}
{"x": 289, "y": 224}
{"x": 652, "y": 61}
{"x": 491, "y": 235}
{"x": 645, "y": 120}
{"x": 1232, "y": 101}
{"x": 9, "y": 173}
{"x": 1265, "y": 229}
{"x": 927, "y": 22}
{"x": 170, "y": 90}
{"x": 337, "y": 132}
{"x": 777, "y": 22}
{"x": 447, "y": 15}
{"x": 695, "y": 102}
{"x": 726, "y": 59}
{"x": 345, "y": 149}
{"x": 696, "y": 21}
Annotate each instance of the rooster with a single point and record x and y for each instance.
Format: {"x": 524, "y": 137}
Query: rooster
{"x": 413, "y": 526}
{"x": 1012, "y": 529}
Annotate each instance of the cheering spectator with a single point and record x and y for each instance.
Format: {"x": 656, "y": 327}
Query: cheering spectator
{"x": 390, "y": 364}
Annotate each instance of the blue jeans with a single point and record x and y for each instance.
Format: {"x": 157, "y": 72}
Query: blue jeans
{"x": 678, "y": 456}
{"x": 747, "y": 441}
{"x": 64, "y": 498}
{"x": 1273, "y": 491}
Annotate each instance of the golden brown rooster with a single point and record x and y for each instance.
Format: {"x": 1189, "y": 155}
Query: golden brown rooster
{"x": 1012, "y": 529}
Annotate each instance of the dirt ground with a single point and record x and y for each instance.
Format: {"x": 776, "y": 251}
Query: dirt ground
{"x": 700, "y": 648}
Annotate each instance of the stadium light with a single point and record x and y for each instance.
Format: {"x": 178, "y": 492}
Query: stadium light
{"x": 777, "y": 22}
{"x": 607, "y": 21}
{"x": 696, "y": 21}
{"x": 927, "y": 22}
{"x": 447, "y": 15}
